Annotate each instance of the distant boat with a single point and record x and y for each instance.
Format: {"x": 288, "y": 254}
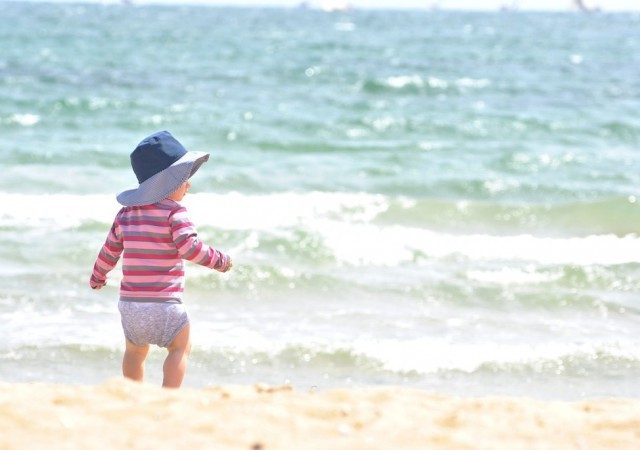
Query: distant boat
{"x": 509, "y": 6}
{"x": 581, "y": 6}
{"x": 513, "y": 6}
{"x": 335, "y": 5}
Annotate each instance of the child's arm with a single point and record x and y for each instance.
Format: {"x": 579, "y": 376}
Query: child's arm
{"x": 107, "y": 258}
{"x": 190, "y": 247}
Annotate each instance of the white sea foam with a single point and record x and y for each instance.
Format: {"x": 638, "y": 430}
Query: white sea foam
{"x": 26, "y": 120}
{"x": 512, "y": 275}
{"x": 45, "y": 326}
{"x": 231, "y": 211}
{"x": 345, "y": 223}
{"x": 402, "y": 81}
{"x": 425, "y": 355}
{"x": 55, "y": 212}
{"x": 362, "y": 244}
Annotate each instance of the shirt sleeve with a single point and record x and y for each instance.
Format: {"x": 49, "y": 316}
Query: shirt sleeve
{"x": 190, "y": 247}
{"x": 108, "y": 256}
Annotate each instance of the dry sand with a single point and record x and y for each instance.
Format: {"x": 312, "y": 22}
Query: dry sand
{"x": 125, "y": 415}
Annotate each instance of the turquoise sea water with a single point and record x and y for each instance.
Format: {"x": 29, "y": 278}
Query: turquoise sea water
{"x": 441, "y": 200}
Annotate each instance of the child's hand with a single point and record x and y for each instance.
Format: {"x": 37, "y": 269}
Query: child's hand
{"x": 229, "y": 265}
{"x": 96, "y": 283}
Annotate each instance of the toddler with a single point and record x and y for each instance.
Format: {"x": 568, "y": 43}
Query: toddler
{"x": 153, "y": 234}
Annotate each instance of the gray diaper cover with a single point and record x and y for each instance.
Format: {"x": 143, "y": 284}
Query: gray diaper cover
{"x": 152, "y": 323}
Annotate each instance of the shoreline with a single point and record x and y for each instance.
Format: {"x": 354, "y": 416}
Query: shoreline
{"x": 123, "y": 414}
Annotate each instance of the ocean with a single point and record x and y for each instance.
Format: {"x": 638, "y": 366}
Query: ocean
{"x": 439, "y": 200}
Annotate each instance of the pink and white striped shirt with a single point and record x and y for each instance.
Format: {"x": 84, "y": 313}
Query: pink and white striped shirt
{"x": 153, "y": 241}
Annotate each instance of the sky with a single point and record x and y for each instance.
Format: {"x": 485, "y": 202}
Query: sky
{"x": 544, "y": 5}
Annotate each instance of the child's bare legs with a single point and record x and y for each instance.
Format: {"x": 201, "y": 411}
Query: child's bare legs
{"x": 175, "y": 366}
{"x": 133, "y": 361}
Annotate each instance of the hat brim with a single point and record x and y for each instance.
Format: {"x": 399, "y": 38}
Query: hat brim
{"x": 164, "y": 183}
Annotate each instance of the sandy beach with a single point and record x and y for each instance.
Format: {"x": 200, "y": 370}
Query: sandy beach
{"x": 126, "y": 415}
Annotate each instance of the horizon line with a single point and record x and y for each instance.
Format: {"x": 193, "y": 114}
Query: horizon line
{"x": 307, "y": 5}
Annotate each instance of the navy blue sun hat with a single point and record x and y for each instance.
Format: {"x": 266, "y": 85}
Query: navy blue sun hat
{"x": 161, "y": 165}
